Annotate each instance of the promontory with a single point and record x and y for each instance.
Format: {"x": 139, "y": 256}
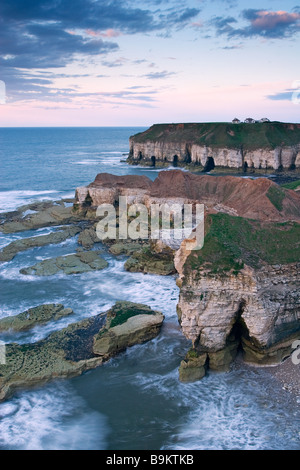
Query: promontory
{"x": 259, "y": 145}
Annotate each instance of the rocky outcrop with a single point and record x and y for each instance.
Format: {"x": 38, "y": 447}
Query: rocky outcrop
{"x": 259, "y": 199}
{"x": 126, "y": 325}
{"x": 260, "y": 146}
{"x": 106, "y": 189}
{"x": 34, "y": 316}
{"x": 81, "y": 262}
{"x": 241, "y": 290}
{"x": 38, "y": 215}
{"x": 79, "y": 347}
{"x": 148, "y": 261}
{"x": 234, "y": 297}
{"x": 17, "y": 246}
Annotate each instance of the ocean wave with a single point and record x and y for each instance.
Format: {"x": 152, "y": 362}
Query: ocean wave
{"x": 54, "y": 418}
{"x": 10, "y": 200}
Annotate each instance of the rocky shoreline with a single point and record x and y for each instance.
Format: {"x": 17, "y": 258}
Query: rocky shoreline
{"x": 241, "y": 290}
{"x": 239, "y": 293}
{"x": 75, "y": 349}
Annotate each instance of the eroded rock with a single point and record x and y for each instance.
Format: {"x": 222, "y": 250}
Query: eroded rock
{"x": 79, "y": 347}
{"x": 147, "y": 261}
{"x": 17, "y": 246}
{"x": 78, "y": 263}
{"x": 34, "y": 316}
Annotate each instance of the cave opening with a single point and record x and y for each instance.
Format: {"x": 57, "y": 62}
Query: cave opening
{"x": 239, "y": 329}
{"x": 175, "y": 160}
{"x": 188, "y": 157}
{"x": 245, "y": 167}
{"x": 153, "y": 160}
{"x": 209, "y": 165}
{"x": 140, "y": 155}
{"x": 88, "y": 201}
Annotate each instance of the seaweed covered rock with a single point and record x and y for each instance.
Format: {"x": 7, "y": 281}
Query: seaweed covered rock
{"x": 147, "y": 261}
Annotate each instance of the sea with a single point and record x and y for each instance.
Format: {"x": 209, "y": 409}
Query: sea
{"x": 135, "y": 401}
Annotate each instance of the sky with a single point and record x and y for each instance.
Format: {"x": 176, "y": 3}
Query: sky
{"x": 136, "y": 63}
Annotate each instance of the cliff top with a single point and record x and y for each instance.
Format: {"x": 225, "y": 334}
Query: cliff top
{"x": 260, "y": 198}
{"x": 223, "y": 134}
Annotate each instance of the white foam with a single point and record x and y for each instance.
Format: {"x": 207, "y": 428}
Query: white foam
{"x": 51, "y": 419}
{"x": 10, "y": 200}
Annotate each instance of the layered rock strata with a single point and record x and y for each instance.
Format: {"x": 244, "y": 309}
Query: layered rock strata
{"x": 259, "y": 199}
{"x": 258, "y": 146}
{"x": 241, "y": 291}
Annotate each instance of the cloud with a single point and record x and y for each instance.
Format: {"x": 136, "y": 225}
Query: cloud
{"x": 158, "y": 75}
{"x": 261, "y": 23}
{"x": 46, "y": 34}
{"x": 282, "y": 96}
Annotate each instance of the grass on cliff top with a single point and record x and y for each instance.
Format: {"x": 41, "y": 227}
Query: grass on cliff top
{"x": 231, "y": 242}
{"x": 292, "y": 185}
{"x": 222, "y": 134}
{"x": 276, "y": 195}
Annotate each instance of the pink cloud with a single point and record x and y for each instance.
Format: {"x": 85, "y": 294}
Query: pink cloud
{"x": 270, "y": 20}
{"x": 109, "y": 33}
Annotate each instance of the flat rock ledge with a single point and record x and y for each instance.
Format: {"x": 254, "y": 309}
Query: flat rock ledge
{"x": 78, "y": 263}
{"x": 80, "y": 347}
{"x": 10, "y": 251}
{"x": 34, "y": 316}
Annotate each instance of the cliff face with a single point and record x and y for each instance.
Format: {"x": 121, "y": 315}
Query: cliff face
{"x": 257, "y": 311}
{"x": 264, "y": 145}
{"x": 241, "y": 290}
{"x": 259, "y": 199}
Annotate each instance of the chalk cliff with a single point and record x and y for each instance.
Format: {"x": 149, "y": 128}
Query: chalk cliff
{"x": 241, "y": 290}
{"x": 272, "y": 145}
{"x": 226, "y": 305}
{"x": 258, "y": 199}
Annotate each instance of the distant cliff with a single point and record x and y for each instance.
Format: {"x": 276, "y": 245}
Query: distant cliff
{"x": 269, "y": 145}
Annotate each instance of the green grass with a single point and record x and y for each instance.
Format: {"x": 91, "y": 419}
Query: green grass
{"x": 293, "y": 185}
{"x": 221, "y": 134}
{"x": 232, "y": 242}
{"x": 122, "y": 311}
{"x": 276, "y": 195}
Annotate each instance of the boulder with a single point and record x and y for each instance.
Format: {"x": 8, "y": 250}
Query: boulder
{"x": 193, "y": 367}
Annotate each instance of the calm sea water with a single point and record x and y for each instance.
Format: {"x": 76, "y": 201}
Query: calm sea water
{"x": 136, "y": 400}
